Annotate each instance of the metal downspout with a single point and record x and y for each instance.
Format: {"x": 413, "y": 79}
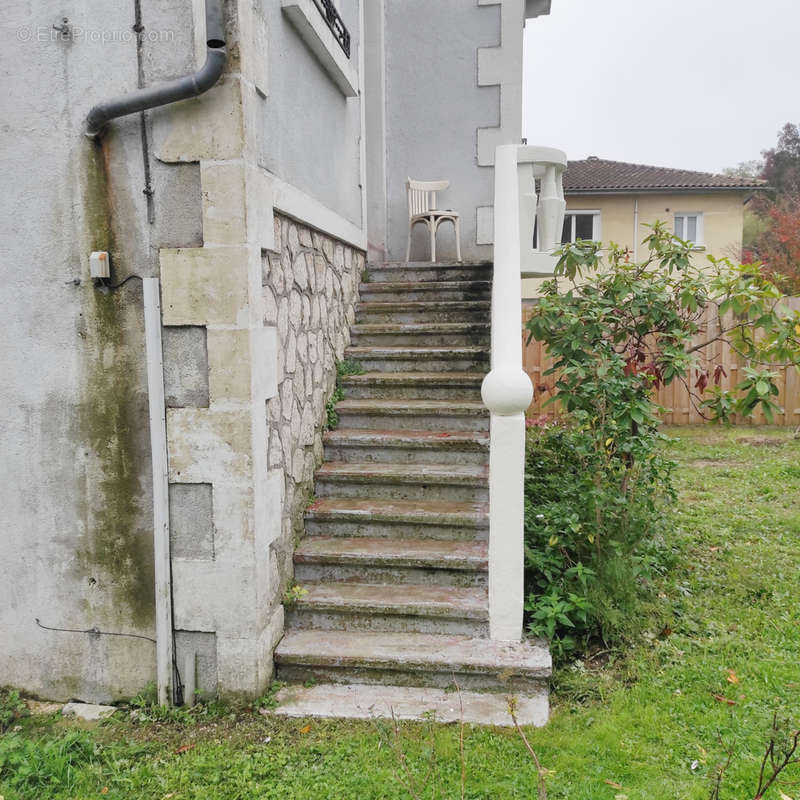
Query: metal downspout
{"x": 170, "y": 92}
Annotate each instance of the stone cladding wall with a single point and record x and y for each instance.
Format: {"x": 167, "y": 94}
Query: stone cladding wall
{"x": 310, "y": 284}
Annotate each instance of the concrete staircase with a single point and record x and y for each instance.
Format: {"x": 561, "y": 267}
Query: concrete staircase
{"x": 395, "y": 559}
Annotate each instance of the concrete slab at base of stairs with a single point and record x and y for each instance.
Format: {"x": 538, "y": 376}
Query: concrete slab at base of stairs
{"x": 358, "y": 701}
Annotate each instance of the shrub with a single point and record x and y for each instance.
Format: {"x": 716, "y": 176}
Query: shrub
{"x": 596, "y": 486}
{"x": 592, "y": 529}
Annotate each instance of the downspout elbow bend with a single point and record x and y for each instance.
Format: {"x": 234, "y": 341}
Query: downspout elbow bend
{"x": 182, "y": 88}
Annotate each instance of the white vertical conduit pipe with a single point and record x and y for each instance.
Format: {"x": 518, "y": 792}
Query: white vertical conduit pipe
{"x": 158, "y": 450}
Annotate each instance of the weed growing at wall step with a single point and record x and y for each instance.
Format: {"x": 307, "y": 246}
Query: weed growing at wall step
{"x": 11, "y": 708}
{"x": 343, "y": 369}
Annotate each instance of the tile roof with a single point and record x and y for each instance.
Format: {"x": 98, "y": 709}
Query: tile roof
{"x": 599, "y": 175}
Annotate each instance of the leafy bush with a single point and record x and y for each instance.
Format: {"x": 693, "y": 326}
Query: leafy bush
{"x": 595, "y": 488}
{"x": 592, "y": 527}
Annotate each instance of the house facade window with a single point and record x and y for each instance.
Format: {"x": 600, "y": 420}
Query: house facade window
{"x": 689, "y": 227}
{"x": 580, "y": 225}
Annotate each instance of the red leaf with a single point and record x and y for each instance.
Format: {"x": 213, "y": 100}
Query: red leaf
{"x": 702, "y": 381}
{"x": 720, "y": 699}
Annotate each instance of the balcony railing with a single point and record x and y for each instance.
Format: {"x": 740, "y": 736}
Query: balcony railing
{"x": 507, "y": 391}
{"x": 335, "y": 23}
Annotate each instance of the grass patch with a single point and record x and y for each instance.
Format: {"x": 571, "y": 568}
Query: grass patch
{"x": 725, "y": 622}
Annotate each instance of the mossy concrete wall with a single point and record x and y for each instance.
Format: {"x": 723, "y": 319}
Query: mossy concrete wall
{"x": 76, "y": 525}
{"x": 182, "y": 194}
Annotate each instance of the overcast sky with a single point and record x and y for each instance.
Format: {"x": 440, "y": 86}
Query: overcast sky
{"x": 698, "y": 84}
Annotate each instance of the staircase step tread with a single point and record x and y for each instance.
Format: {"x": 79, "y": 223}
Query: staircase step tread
{"x": 361, "y": 701}
{"x": 430, "y": 264}
{"x": 419, "y": 352}
{"x": 393, "y": 552}
{"x": 458, "y": 474}
{"x": 409, "y": 511}
{"x": 424, "y": 305}
{"x": 400, "y": 438}
{"x": 428, "y": 286}
{"x": 406, "y": 599}
{"x": 419, "y": 327}
{"x": 426, "y": 378}
{"x": 410, "y": 407}
{"x": 412, "y": 652}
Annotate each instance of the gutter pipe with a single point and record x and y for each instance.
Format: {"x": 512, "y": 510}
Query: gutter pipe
{"x": 170, "y": 92}
{"x": 158, "y": 453}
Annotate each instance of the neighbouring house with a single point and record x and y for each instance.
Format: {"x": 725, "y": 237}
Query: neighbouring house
{"x": 613, "y": 201}
{"x": 165, "y": 400}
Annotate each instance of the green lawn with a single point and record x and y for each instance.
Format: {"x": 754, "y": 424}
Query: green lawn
{"x": 646, "y": 720}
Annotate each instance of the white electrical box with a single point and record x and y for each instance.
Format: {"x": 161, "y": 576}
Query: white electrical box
{"x": 100, "y": 264}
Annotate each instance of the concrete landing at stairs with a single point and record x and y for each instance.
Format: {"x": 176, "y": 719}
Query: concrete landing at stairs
{"x": 359, "y": 701}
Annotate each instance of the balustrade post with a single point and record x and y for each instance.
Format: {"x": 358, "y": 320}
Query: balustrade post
{"x": 507, "y": 392}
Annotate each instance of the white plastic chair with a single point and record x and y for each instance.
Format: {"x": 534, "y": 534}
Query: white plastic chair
{"x": 422, "y": 209}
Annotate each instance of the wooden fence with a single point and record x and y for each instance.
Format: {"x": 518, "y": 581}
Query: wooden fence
{"x": 675, "y": 397}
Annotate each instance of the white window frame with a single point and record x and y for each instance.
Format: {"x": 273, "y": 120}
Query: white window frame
{"x": 594, "y": 213}
{"x": 699, "y": 241}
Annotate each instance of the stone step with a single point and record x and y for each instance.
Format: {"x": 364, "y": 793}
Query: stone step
{"x": 362, "y": 446}
{"x": 391, "y": 518}
{"x": 425, "y": 272}
{"x": 412, "y": 703}
{"x": 412, "y": 659}
{"x": 422, "y": 311}
{"x": 414, "y": 385}
{"x": 430, "y": 292}
{"x": 450, "y": 482}
{"x": 428, "y": 415}
{"x": 384, "y": 560}
{"x": 420, "y": 359}
{"x": 425, "y": 334}
{"x": 396, "y": 608}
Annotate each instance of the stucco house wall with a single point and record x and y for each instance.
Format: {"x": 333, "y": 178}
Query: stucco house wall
{"x": 444, "y": 81}
{"x": 309, "y": 133}
{"x": 77, "y": 525}
{"x": 252, "y": 205}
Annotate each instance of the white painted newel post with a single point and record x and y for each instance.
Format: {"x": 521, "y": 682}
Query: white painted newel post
{"x": 507, "y": 390}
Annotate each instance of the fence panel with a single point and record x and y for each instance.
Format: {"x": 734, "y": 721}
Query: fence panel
{"x": 676, "y": 398}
